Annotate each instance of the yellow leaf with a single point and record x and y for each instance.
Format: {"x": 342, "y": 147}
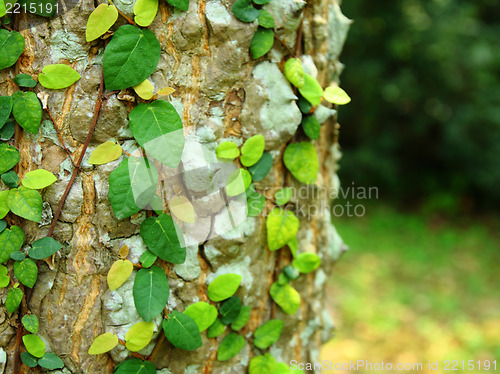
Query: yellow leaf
{"x": 103, "y": 343}
{"x": 166, "y": 91}
{"x": 182, "y": 208}
{"x": 336, "y": 95}
{"x": 139, "y": 336}
{"x": 144, "y": 90}
{"x": 145, "y": 12}
{"x": 105, "y": 153}
{"x": 100, "y": 20}
{"x": 119, "y": 273}
{"x": 123, "y": 253}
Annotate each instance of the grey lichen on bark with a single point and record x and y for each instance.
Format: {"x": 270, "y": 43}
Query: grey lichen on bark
{"x": 221, "y": 93}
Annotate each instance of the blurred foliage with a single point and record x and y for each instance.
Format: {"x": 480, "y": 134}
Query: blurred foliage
{"x": 425, "y": 115}
{"x": 412, "y": 289}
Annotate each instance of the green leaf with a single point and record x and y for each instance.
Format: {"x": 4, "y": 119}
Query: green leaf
{"x": 291, "y": 273}
{"x": 120, "y": 271}
{"x": 294, "y": 72}
{"x": 11, "y": 47}
{"x": 29, "y": 360}
{"x": 227, "y": 150}
{"x": 260, "y": 170}
{"x": 51, "y": 361}
{"x": 242, "y": 318}
{"x": 266, "y": 19}
{"x": 38, "y": 179}
{"x": 7, "y": 131}
{"x": 230, "y": 309}
{"x": 302, "y": 161}
{"x": 283, "y": 196}
{"x": 307, "y": 262}
{"x": 238, "y": 182}
{"x": 130, "y": 57}
{"x": 268, "y": 334}
{"x": 182, "y": 331}
{"x": 160, "y": 236}
{"x": 5, "y": 109}
{"x": 4, "y": 207}
{"x": 43, "y": 248}
{"x": 4, "y": 277}
{"x": 158, "y": 128}
{"x": 139, "y": 336}
{"x": 148, "y": 258}
{"x": 255, "y": 203}
{"x": 105, "y": 152}
{"x": 261, "y": 2}
{"x": 27, "y": 110}
{"x": 13, "y": 300}
{"x": 244, "y": 10}
{"x": 282, "y": 226}
{"x": 336, "y": 95}
{"x": 34, "y": 345}
{"x": 24, "y": 80}
{"x": 262, "y": 364}
{"x": 10, "y": 179}
{"x": 231, "y": 345}
{"x": 181, "y": 4}
{"x": 25, "y": 203}
{"x": 135, "y": 366}
{"x": 202, "y": 313}
{"x": 11, "y": 240}
{"x": 9, "y": 157}
{"x": 216, "y": 329}
{"x": 3, "y": 225}
{"x": 30, "y": 323}
{"x": 17, "y": 256}
{"x": 304, "y": 105}
{"x": 131, "y": 186}
{"x": 282, "y": 368}
{"x": 311, "y": 127}
{"x": 145, "y": 12}
{"x": 3, "y": 10}
{"x": 294, "y": 246}
{"x": 311, "y": 90}
{"x": 151, "y": 292}
{"x": 100, "y": 20}
{"x": 26, "y": 271}
{"x": 252, "y": 150}
{"x": 286, "y": 297}
{"x": 58, "y": 76}
{"x": 223, "y": 287}
{"x": 103, "y": 343}
{"x": 262, "y": 42}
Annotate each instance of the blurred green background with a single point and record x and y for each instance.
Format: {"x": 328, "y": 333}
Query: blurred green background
{"x": 421, "y": 280}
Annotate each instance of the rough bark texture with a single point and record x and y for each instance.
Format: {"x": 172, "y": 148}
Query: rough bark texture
{"x": 221, "y": 93}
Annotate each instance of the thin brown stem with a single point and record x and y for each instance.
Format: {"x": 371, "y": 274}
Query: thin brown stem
{"x": 298, "y": 40}
{"x": 284, "y": 45}
{"x": 157, "y": 347}
{"x": 61, "y": 138}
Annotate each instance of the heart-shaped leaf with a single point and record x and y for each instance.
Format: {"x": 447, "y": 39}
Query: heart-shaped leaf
{"x": 4, "y": 207}
{"x": 58, "y": 76}
{"x": 34, "y": 345}
{"x": 260, "y": 170}
{"x": 238, "y": 182}
{"x": 26, "y": 203}
{"x": 307, "y": 262}
{"x": 26, "y": 271}
{"x": 11, "y": 47}
{"x": 139, "y": 336}
{"x": 145, "y": 12}
{"x": 160, "y": 236}
{"x": 144, "y": 89}
{"x": 9, "y": 157}
{"x": 29, "y": 360}
{"x": 11, "y": 240}
{"x": 262, "y": 42}
{"x": 151, "y": 292}
{"x": 282, "y": 226}
{"x": 231, "y": 345}
{"x": 43, "y": 248}
{"x": 106, "y": 152}
{"x": 51, "y": 361}
{"x": 336, "y": 95}
{"x": 135, "y": 366}
{"x": 294, "y": 72}
{"x": 227, "y": 150}
{"x": 283, "y": 196}
{"x": 7, "y": 131}
{"x": 4, "y": 277}
{"x": 216, "y": 329}
{"x": 262, "y": 364}
{"x": 24, "y": 80}
{"x": 103, "y": 343}
{"x": 245, "y": 11}
{"x": 223, "y": 287}
{"x": 100, "y": 20}
{"x": 120, "y": 271}
{"x": 311, "y": 127}
{"x": 38, "y": 179}
{"x": 286, "y": 297}
{"x": 311, "y": 90}
{"x": 268, "y": 334}
{"x": 302, "y": 161}
{"x": 242, "y": 318}
{"x": 11, "y": 179}
{"x": 17, "y": 256}
{"x": 27, "y": 110}
{"x": 202, "y": 313}
{"x": 182, "y": 331}
{"x": 230, "y": 309}
{"x": 5, "y": 109}
{"x": 30, "y": 323}
{"x": 266, "y": 19}
{"x": 13, "y": 299}
{"x": 252, "y": 150}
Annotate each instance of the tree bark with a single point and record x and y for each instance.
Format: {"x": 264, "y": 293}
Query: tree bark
{"x": 221, "y": 92}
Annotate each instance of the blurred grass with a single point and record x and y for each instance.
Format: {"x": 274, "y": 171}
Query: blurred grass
{"x": 413, "y": 289}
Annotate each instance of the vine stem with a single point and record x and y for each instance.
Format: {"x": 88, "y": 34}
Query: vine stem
{"x": 60, "y": 137}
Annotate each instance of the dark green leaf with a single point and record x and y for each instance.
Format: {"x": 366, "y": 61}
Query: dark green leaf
{"x": 135, "y": 366}
{"x": 10, "y": 179}
{"x": 13, "y": 300}
{"x": 242, "y": 318}
{"x": 230, "y": 309}
{"x": 311, "y": 127}
{"x": 151, "y": 292}
{"x": 268, "y": 334}
{"x": 7, "y": 131}
{"x": 43, "y": 248}
{"x": 262, "y": 42}
{"x": 3, "y": 225}
{"x": 24, "y": 80}
{"x": 9, "y": 157}
{"x": 182, "y": 331}
{"x": 160, "y": 236}
{"x": 291, "y": 273}
{"x": 302, "y": 161}
{"x": 5, "y": 109}
{"x": 29, "y": 360}
{"x": 231, "y": 345}
{"x": 304, "y": 105}
{"x": 26, "y": 271}
{"x": 223, "y": 287}
{"x": 26, "y": 203}
{"x": 17, "y": 256}
{"x": 30, "y": 323}
{"x": 130, "y": 57}
{"x": 51, "y": 361}
{"x": 244, "y": 10}
{"x": 266, "y": 19}
{"x": 11, "y": 240}
{"x": 216, "y": 329}
{"x": 27, "y": 110}
{"x": 11, "y": 47}
{"x": 148, "y": 259}
{"x": 261, "y": 168}
{"x": 181, "y": 4}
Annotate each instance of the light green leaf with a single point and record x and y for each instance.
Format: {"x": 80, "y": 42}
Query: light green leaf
{"x": 144, "y": 89}
{"x": 103, "y": 343}
{"x": 294, "y": 246}
{"x": 30, "y": 323}
{"x": 11, "y": 47}
{"x": 242, "y": 318}
{"x": 4, "y": 207}
{"x": 4, "y": 277}
{"x": 302, "y": 161}
{"x": 151, "y": 292}
{"x": 139, "y": 336}
{"x": 181, "y": 4}
{"x": 202, "y": 313}
{"x": 100, "y": 20}
{"x": 160, "y": 236}
{"x": 131, "y": 186}
{"x": 266, "y": 19}
{"x": 43, "y": 248}
{"x": 231, "y": 345}
{"x": 130, "y": 57}
{"x": 29, "y": 360}
{"x": 148, "y": 258}
{"x": 260, "y": 170}
{"x": 294, "y": 72}
{"x": 311, "y": 127}
{"x": 286, "y": 297}
{"x": 24, "y": 80}
{"x": 252, "y": 150}
{"x": 135, "y": 366}
{"x": 311, "y": 90}
{"x": 145, "y": 12}
{"x": 262, "y": 42}
{"x": 307, "y": 262}
{"x": 282, "y": 368}
{"x": 230, "y": 309}
{"x": 282, "y": 226}
{"x": 227, "y": 150}
{"x": 120, "y": 271}
{"x": 9, "y": 157}
{"x": 10, "y": 179}
{"x": 58, "y": 76}
{"x": 38, "y": 179}
{"x": 158, "y": 128}
{"x": 34, "y": 345}
{"x": 336, "y": 95}
{"x": 27, "y": 110}
{"x": 262, "y": 364}
{"x": 105, "y": 152}
{"x": 3, "y": 9}
{"x": 182, "y": 331}
{"x": 244, "y": 10}
{"x": 238, "y": 182}
{"x": 216, "y": 329}
{"x": 223, "y": 287}
{"x": 26, "y": 271}
{"x": 5, "y": 109}
{"x": 268, "y": 334}
{"x": 51, "y": 361}
{"x": 13, "y": 300}
{"x": 11, "y": 240}
{"x": 25, "y": 203}
{"x": 283, "y": 196}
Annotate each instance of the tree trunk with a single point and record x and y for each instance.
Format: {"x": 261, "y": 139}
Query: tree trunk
{"x": 221, "y": 92}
